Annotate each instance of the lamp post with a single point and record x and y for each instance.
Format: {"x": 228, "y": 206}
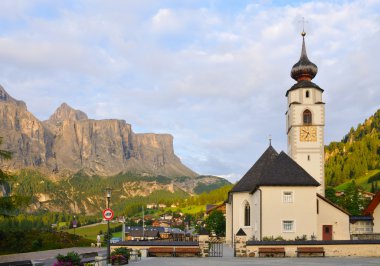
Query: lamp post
{"x": 108, "y": 195}
{"x": 74, "y": 225}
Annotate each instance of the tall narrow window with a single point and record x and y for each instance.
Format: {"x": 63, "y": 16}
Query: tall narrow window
{"x": 307, "y": 117}
{"x": 247, "y": 215}
{"x": 307, "y": 94}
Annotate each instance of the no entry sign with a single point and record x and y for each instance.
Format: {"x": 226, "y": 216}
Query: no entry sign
{"x": 108, "y": 214}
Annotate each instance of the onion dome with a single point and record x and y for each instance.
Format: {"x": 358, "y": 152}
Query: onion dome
{"x": 304, "y": 69}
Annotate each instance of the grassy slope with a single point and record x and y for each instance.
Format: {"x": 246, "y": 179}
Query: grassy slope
{"x": 361, "y": 181}
{"x": 90, "y": 232}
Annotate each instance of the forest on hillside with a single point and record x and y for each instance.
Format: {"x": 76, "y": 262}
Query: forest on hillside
{"x": 356, "y": 155}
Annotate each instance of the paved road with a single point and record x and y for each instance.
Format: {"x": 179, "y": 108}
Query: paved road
{"x": 48, "y": 256}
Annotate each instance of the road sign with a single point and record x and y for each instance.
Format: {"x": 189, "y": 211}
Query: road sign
{"x": 108, "y": 214}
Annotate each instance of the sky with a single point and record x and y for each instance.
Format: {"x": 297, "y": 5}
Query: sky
{"x": 212, "y": 73}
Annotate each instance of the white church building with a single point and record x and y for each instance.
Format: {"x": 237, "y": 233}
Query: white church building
{"x": 282, "y": 195}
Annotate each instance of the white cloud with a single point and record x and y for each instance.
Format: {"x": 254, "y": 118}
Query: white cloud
{"x": 214, "y": 79}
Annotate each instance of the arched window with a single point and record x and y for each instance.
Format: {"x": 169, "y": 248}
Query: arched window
{"x": 307, "y": 117}
{"x": 247, "y": 215}
{"x": 307, "y": 94}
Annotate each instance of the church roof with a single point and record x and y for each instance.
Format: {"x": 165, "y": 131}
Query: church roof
{"x": 304, "y": 84}
{"x": 273, "y": 169}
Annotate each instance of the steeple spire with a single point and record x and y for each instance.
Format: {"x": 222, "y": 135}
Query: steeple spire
{"x": 304, "y": 69}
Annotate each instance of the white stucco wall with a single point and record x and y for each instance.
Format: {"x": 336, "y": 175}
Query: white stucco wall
{"x": 310, "y": 155}
{"x": 228, "y": 223}
{"x": 302, "y": 211}
{"x": 330, "y": 215}
{"x": 238, "y": 203}
{"x": 376, "y": 219}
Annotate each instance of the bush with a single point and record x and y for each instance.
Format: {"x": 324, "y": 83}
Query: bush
{"x": 120, "y": 255}
{"x": 71, "y": 258}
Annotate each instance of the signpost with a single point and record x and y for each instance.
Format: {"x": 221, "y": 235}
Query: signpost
{"x": 108, "y": 214}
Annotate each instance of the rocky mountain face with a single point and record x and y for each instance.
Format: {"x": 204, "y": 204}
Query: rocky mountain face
{"x": 68, "y": 142}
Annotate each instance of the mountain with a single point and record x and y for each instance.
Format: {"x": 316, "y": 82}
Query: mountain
{"x": 81, "y": 193}
{"x": 356, "y": 155}
{"x": 69, "y": 142}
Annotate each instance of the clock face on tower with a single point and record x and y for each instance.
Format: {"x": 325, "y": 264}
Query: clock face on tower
{"x": 308, "y": 133}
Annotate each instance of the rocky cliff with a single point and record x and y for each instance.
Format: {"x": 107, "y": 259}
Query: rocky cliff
{"x": 68, "y": 142}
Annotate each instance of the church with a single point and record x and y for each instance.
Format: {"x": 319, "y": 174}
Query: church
{"x": 282, "y": 194}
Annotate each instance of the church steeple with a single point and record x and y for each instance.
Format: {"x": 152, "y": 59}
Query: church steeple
{"x": 304, "y": 69}
{"x": 305, "y": 119}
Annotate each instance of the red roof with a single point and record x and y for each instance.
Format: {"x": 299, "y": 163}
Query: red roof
{"x": 372, "y": 205}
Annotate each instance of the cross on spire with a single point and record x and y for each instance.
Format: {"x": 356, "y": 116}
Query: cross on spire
{"x": 270, "y": 140}
{"x": 303, "y": 33}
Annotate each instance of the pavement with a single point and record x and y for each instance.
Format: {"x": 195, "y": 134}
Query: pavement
{"x": 48, "y": 257}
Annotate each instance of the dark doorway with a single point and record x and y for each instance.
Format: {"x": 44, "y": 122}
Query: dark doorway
{"x": 327, "y": 232}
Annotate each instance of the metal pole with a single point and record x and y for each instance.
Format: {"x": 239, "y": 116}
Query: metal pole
{"x": 108, "y": 238}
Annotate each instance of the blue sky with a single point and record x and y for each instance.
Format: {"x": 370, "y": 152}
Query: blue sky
{"x": 212, "y": 73}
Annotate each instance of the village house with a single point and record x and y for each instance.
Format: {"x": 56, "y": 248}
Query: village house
{"x": 373, "y": 210}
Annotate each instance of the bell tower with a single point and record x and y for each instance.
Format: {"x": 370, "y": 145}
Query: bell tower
{"x": 305, "y": 119}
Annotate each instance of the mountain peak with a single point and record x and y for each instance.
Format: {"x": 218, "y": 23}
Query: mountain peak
{"x": 5, "y": 97}
{"x": 66, "y": 112}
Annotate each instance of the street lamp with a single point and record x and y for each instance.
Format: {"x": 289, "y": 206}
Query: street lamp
{"x": 74, "y": 225}
{"x": 108, "y": 195}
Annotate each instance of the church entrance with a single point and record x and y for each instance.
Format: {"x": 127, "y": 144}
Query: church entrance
{"x": 327, "y": 232}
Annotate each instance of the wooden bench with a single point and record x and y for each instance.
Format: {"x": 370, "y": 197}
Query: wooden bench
{"x": 310, "y": 250}
{"x": 168, "y": 251}
{"x": 17, "y": 263}
{"x": 187, "y": 251}
{"x": 87, "y": 257}
{"x": 271, "y": 252}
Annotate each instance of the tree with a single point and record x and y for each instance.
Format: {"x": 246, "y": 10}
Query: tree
{"x": 216, "y": 223}
{"x": 353, "y": 200}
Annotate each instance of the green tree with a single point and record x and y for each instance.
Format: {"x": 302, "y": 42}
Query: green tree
{"x": 353, "y": 200}
{"x": 216, "y": 222}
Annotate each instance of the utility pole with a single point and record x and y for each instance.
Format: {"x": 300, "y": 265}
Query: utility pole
{"x": 143, "y": 233}
{"x": 108, "y": 195}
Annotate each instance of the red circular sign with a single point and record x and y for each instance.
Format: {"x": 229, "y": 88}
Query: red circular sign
{"x": 108, "y": 214}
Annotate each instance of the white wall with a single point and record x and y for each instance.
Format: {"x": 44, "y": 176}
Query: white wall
{"x": 300, "y": 150}
{"x": 376, "y": 219}
{"x": 330, "y": 215}
{"x": 228, "y": 223}
{"x": 238, "y": 203}
{"x": 302, "y": 211}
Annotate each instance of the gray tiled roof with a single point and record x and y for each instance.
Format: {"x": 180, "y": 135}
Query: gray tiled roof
{"x": 273, "y": 169}
{"x": 304, "y": 84}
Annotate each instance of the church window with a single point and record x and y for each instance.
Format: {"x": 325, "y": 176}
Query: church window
{"x": 307, "y": 117}
{"x": 247, "y": 215}
{"x": 308, "y": 157}
{"x": 307, "y": 94}
{"x": 287, "y": 226}
{"x": 287, "y": 197}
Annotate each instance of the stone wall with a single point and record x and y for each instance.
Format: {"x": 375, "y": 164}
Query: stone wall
{"x": 204, "y": 241}
{"x": 241, "y": 246}
{"x": 342, "y": 248}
